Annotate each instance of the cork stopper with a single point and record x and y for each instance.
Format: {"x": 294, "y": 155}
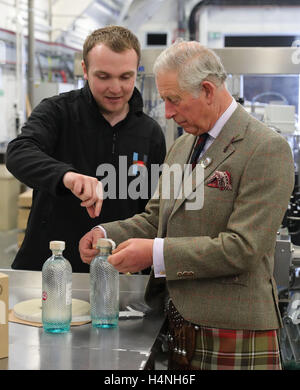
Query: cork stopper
{"x": 105, "y": 245}
{"x": 57, "y": 245}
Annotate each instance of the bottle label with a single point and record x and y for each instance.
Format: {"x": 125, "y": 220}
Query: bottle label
{"x": 44, "y": 295}
{"x": 68, "y": 293}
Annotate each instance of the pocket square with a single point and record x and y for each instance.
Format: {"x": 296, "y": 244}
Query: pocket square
{"x": 221, "y": 180}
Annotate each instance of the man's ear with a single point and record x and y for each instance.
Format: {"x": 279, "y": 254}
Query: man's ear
{"x": 84, "y": 70}
{"x": 209, "y": 89}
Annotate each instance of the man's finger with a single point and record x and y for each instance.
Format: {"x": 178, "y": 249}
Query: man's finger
{"x": 98, "y": 207}
{"x": 88, "y": 202}
{"x": 88, "y": 259}
{"x": 121, "y": 246}
{"x": 116, "y": 259}
{"x": 87, "y": 254}
{"x": 96, "y": 234}
{"x": 77, "y": 188}
{"x": 84, "y": 190}
{"x": 91, "y": 211}
{"x": 99, "y": 190}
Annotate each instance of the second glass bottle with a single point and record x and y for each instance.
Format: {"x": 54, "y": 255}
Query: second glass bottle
{"x": 104, "y": 288}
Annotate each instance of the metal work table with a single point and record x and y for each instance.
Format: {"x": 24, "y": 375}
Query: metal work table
{"x": 128, "y": 347}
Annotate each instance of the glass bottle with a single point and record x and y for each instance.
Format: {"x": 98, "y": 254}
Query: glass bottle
{"x": 57, "y": 291}
{"x": 104, "y": 288}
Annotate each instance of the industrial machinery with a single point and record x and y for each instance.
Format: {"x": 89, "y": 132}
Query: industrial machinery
{"x": 153, "y": 104}
{"x": 267, "y": 82}
{"x": 287, "y": 277}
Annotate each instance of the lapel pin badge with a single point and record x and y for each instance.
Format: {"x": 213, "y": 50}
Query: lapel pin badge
{"x": 206, "y": 162}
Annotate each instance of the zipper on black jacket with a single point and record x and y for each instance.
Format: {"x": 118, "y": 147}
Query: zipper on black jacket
{"x": 114, "y": 143}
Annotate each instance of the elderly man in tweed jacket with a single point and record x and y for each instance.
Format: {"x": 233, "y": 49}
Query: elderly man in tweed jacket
{"x": 212, "y": 264}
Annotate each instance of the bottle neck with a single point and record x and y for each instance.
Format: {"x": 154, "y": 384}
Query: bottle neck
{"x": 57, "y": 252}
{"x": 104, "y": 252}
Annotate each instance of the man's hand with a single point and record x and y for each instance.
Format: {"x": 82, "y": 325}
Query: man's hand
{"x": 132, "y": 255}
{"x": 86, "y": 188}
{"x": 87, "y": 245}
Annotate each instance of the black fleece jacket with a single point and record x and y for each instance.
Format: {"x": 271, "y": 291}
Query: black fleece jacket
{"x": 68, "y": 133}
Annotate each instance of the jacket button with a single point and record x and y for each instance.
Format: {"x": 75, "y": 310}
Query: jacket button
{"x": 188, "y": 273}
{"x": 179, "y": 274}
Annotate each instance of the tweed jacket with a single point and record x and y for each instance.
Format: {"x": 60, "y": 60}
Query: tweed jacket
{"x": 219, "y": 259}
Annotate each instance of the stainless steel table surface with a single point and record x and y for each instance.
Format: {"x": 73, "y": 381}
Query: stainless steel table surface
{"x": 127, "y": 347}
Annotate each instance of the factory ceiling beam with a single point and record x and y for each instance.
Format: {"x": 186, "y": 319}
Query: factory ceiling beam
{"x": 129, "y": 13}
{"x": 124, "y": 10}
{"x": 101, "y": 13}
{"x": 64, "y": 13}
{"x": 111, "y": 7}
{"x": 141, "y": 12}
{"x": 109, "y": 12}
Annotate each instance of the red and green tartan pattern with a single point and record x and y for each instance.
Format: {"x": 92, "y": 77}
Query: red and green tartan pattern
{"x": 226, "y": 349}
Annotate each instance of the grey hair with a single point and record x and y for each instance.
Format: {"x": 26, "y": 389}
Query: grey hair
{"x": 194, "y": 64}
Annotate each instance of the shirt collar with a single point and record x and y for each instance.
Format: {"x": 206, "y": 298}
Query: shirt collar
{"x": 135, "y": 102}
{"x": 214, "y": 132}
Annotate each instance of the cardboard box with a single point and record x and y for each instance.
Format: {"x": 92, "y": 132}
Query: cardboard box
{"x": 3, "y": 315}
{"x": 24, "y": 203}
{"x": 23, "y": 215}
{"x": 10, "y": 189}
{"x": 25, "y": 199}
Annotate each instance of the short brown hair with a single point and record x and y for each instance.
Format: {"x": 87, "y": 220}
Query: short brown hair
{"x": 117, "y": 38}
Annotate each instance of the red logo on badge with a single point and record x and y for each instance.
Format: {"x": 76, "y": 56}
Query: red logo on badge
{"x": 44, "y": 295}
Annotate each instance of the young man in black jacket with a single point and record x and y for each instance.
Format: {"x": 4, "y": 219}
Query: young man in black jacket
{"x": 76, "y": 139}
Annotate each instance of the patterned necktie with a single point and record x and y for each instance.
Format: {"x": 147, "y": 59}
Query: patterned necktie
{"x": 198, "y": 149}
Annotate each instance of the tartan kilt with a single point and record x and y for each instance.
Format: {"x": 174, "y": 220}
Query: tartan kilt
{"x": 226, "y": 349}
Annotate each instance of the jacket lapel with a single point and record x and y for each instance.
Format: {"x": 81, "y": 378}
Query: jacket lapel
{"x": 180, "y": 158}
{"x": 222, "y": 147}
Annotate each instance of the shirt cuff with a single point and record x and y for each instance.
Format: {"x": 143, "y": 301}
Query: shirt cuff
{"x": 103, "y": 230}
{"x": 158, "y": 258}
